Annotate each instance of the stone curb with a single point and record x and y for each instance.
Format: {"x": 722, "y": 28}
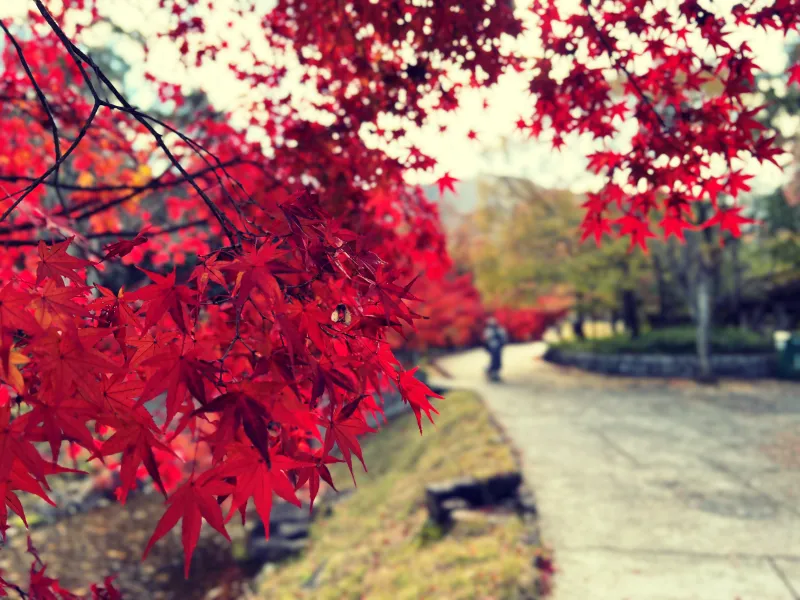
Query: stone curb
{"x": 746, "y": 366}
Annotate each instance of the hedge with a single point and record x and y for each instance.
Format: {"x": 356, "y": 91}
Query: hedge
{"x": 674, "y": 340}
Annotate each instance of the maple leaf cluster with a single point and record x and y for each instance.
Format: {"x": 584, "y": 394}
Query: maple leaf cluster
{"x": 264, "y": 351}
{"x": 243, "y": 356}
{"x": 686, "y": 84}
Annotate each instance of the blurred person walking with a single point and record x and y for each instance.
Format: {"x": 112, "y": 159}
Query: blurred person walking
{"x": 494, "y": 338}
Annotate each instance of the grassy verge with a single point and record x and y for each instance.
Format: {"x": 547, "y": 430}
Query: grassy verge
{"x": 674, "y": 340}
{"x": 378, "y": 544}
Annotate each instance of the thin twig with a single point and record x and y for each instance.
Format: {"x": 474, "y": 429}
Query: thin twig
{"x": 51, "y": 121}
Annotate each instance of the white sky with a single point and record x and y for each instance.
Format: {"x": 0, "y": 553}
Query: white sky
{"x": 456, "y": 154}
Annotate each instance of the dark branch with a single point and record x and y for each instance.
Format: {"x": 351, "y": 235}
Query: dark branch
{"x": 115, "y": 234}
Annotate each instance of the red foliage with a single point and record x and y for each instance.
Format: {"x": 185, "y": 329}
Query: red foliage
{"x": 528, "y": 324}
{"x": 277, "y": 270}
{"x": 683, "y": 133}
{"x": 446, "y": 182}
{"x": 794, "y": 74}
{"x": 455, "y": 316}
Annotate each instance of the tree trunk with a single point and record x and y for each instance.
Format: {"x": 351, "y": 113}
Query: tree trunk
{"x": 703, "y": 323}
{"x": 737, "y": 281}
{"x": 744, "y": 319}
{"x": 707, "y": 261}
{"x": 661, "y": 287}
{"x": 577, "y": 327}
{"x": 781, "y": 318}
{"x": 630, "y": 313}
{"x": 577, "y": 324}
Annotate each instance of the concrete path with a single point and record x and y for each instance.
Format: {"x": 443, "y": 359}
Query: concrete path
{"x": 654, "y": 490}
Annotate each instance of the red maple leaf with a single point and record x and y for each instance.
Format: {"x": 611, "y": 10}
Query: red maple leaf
{"x": 747, "y": 120}
{"x": 794, "y": 74}
{"x": 316, "y": 470}
{"x": 312, "y": 319}
{"x": 191, "y": 503}
{"x": 116, "y": 313}
{"x": 64, "y": 418}
{"x": 729, "y": 219}
{"x": 107, "y": 591}
{"x": 13, "y": 317}
{"x": 257, "y": 479}
{"x": 675, "y": 226}
{"x": 603, "y": 160}
{"x": 284, "y": 329}
{"x": 210, "y": 270}
{"x": 255, "y": 270}
{"x": 179, "y": 371}
{"x": 136, "y": 442}
{"x": 390, "y": 294}
{"x": 124, "y": 247}
{"x": 445, "y": 182}
{"x": 44, "y": 587}
{"x": 241, "y": 409}
{"x": 53, "y": 305}
{"x": 21, "y": 467}
{"x": 149, "y": 346}
{"x": 595, "y": 226}
{"x": 766, "y": 149}
{"x": 55, "y": 263}
{"x": 68, "y": 358}
{"x": 620, "y": 109}
{"x": 713, "y": 187}
{"x": 165, "y": 296}
{"x": 416, "y": 394}
{"x": 637, "y": 229}
{"x": 343, "y": 427}
{"x": 737, "y": 182}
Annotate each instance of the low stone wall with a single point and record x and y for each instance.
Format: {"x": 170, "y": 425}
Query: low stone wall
{"x": 503, "y": 489}
{"x": 749, "y": 366}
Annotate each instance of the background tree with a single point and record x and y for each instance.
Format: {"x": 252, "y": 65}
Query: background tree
{"x": 525, "y": 247}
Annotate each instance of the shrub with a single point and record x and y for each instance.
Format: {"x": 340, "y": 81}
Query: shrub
{"x": 675, "y": 340}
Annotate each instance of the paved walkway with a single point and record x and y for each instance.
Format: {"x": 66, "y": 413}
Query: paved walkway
{"x": 654, "y": 490}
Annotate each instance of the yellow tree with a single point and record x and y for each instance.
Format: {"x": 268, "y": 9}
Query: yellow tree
{"x": 521, "y": 244}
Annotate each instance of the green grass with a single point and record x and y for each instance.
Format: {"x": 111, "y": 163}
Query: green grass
{"x": 674, "y": 340}
{"x": 378, "y": 543}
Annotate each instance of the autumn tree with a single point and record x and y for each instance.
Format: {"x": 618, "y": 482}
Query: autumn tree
{"x": 779, "y": 211}
{"x": 687, "y": 161}
{"x": 525, "y": 247}
{"x": 278, "y": 250}
{"x": 276, "y": 268}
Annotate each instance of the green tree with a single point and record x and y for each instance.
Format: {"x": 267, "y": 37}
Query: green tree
{"x": 524, "y": 246}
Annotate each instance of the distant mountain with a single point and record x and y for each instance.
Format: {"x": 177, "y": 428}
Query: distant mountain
{"x": 495, "y": 189}
{"x": 465, "y": 201}
{"x": 453, "y": 207}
